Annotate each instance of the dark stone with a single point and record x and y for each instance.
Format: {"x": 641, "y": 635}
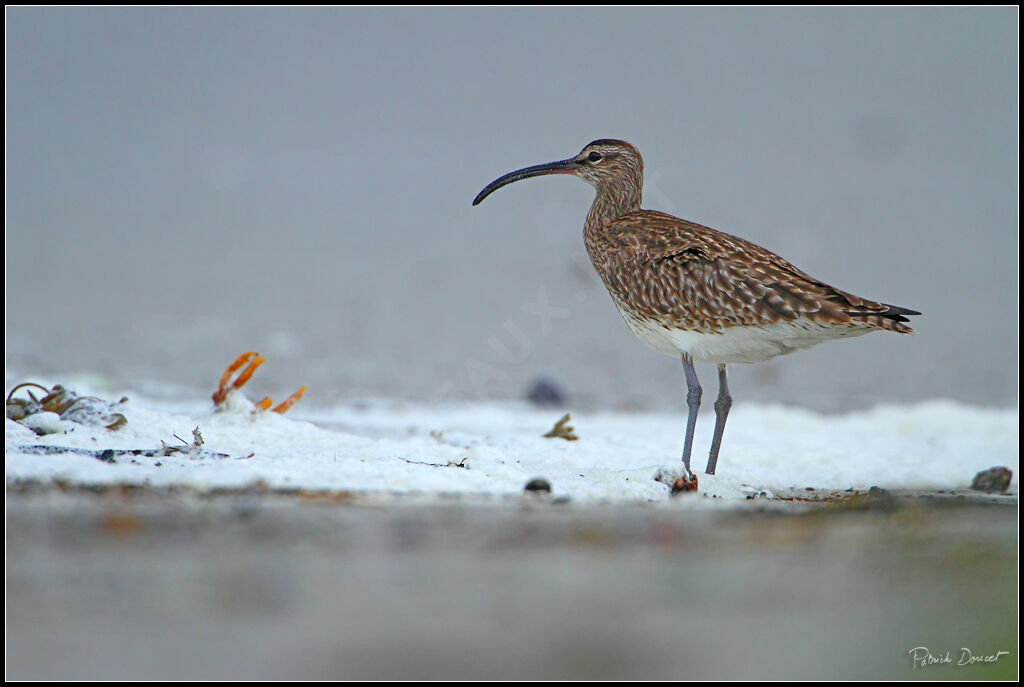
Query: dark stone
{"x": 538, "y": 484}
{"x": 993, "y": 480}
{"x": 545, "y": 391}
{"x": 107, "y": 456}
{"x": 881, "y": 499}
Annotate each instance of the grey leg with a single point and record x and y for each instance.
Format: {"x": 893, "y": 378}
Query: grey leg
{"x": 722, "y": 405}
{"x": 693, "y": 394}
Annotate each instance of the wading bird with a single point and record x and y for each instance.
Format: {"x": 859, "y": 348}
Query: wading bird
{"x": 700, "y": 294}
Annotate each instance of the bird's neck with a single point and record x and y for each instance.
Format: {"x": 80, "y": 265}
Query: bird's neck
{"x": 614, "y": 199}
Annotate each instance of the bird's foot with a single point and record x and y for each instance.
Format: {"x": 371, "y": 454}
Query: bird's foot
{"x": 678, "y": 482}
{"x": 251, "y": 360}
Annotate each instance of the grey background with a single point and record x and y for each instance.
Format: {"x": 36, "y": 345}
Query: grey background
{"x": 186, "y": 184}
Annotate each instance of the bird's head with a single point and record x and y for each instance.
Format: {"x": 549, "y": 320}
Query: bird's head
{"x": 601, "y": 162}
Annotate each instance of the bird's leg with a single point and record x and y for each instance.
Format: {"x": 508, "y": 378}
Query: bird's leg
{"x": 722, "y": 405}
{"x": 693, "y": 394}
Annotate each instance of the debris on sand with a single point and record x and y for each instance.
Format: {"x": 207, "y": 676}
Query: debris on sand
{"x": 562, "y": 430}
{"x": 194, "y": 450}
{"x": 678, "y": 482}
{"x": 252, "y": 360}
{"x": 450, "y": 464}
{"x": 44, "y": 415}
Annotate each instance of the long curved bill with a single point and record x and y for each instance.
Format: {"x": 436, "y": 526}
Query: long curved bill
{"x": 561, "y": 167}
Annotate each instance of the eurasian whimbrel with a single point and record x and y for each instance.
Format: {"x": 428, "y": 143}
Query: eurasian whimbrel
{"x": 690, "y": 291}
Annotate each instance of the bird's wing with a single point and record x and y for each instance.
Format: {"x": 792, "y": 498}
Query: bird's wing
{"x": 689, "y": 275}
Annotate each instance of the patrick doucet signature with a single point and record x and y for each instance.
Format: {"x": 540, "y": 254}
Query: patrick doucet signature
{"x": 923, "y": 657}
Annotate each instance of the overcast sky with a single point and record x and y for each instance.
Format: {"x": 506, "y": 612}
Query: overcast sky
{"x": 184, "y": 184}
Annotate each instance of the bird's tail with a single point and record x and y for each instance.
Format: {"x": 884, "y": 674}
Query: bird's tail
{"x": 893, "y": 318}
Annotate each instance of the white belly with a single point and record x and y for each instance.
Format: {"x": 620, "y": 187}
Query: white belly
{"x": 739, "y": 344}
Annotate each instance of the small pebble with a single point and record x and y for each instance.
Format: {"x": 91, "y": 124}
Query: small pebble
{"x": 881, "y": 499}
{"x": 545, "y": 391}
{"x": 538, "y": 484}
{"x": 993, "y": 480}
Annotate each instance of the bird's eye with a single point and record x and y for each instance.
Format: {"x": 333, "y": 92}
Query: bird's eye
{"x": 594, "y": 157}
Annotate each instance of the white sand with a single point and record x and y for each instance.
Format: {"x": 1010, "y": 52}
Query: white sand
{"x": 401, "y": 448}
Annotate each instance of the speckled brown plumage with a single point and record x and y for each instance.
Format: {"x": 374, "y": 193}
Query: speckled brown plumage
{"x": 683, "y": 275}
{"x": 687, "y": 276}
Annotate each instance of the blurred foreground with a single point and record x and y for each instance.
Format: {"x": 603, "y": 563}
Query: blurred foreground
{"x": 137, "y": 583}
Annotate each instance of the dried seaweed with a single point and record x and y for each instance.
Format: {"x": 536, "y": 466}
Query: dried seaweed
{"x": 85, "y": 410}
{"x": 562, "y": 430}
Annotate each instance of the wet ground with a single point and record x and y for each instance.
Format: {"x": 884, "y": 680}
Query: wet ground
{"x": 249, "y": 584}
